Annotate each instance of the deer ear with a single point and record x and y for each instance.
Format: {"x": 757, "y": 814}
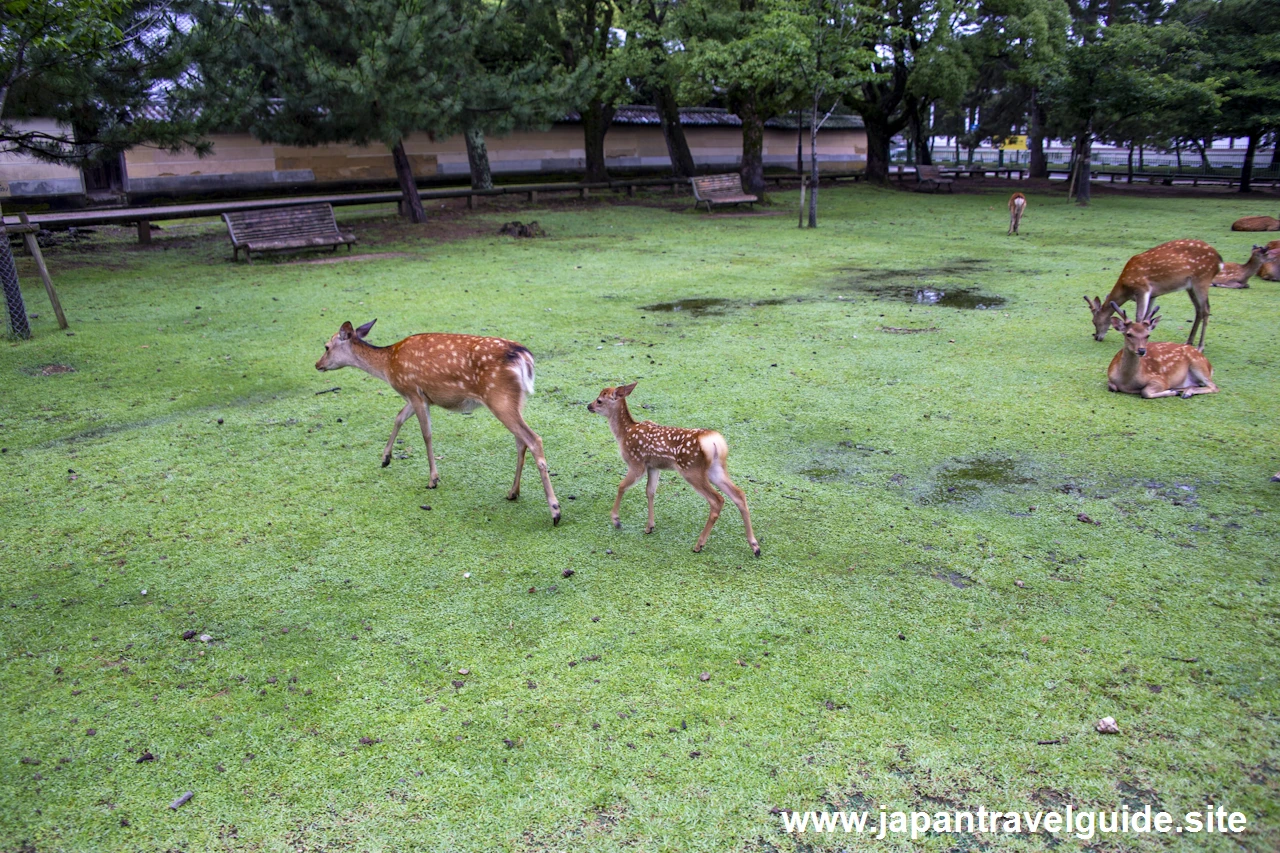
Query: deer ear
{"x": 346, "y": 331}
{"x": 1117, "y": 323}
{"x": 624, "y": 390}
{"x": 364, "y": 330}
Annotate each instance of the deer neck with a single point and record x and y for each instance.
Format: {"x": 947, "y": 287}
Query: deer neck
{"x": 1130, "y": 364}
{"x": 375, "y": 361}
{"x": 1251, "y": 268}
{"x": 621, "y": 421}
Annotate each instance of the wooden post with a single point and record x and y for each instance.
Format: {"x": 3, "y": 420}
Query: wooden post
{"x": 631, "y": 190}
{"x": 33, "y": 248}
{"x": 584, "y": 192}
{"x": 471, "y": 201}
{"x": 144, "y": 232}
{"x": 533, "y": 196}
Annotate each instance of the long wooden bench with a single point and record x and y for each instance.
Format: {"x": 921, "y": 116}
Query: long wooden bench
{"x": 279, "y": 229}
{"x": 931, "y": 176}
{"x": 720, "y": 189}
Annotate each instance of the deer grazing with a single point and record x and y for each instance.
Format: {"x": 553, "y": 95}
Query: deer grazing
{"x": 698, "y": 454}
{"x": 456, "y": 372}
{"x": 1237, "y": 275}
{"x": 1156, "y": 369}
{"x": 1188, "y": 265}
{"x": 1017, "y": 206}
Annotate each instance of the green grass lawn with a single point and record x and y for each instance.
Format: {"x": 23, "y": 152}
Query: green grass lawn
{"x": 930, "y": 625}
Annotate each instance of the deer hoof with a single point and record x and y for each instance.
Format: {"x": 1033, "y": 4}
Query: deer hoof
{"x": 649, "y": 529}
{"x": 617, "y": 523}
{"x": 513, "y": 494}
{"x": 435, "y": 481}
{"x": 386, "y": 460}
{"x": 697, "y": 549}
{"x": 755, "y": 549}
{"x": 555, "y": 519}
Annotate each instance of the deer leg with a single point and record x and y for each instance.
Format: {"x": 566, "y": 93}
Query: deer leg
{"x": 507, "y": 411}
{"x": 1201, "y": 303}
{"x": 423, "y": 410}
{"x": 521, "y": 448}
{"x": 650, "y": 490}
{"x": 628, "y": 480}
{"x": 720, "y": 477}
{"x": 395, "y": 430}
{"x": 1204, "y": 321}
{"x": 701, "y": 485}
{"x": 1158, "y": 389}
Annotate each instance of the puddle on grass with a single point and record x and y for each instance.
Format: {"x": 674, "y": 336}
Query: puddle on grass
{"x": 703, "y": 307}
{"x": 969, "y": 480}
{"x": 929, "y": 285}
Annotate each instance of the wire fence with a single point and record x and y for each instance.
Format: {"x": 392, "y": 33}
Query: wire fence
{"x": 18, "y": 324}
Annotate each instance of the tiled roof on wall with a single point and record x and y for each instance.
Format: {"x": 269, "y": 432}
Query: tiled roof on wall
{"x": 712, "y": 117}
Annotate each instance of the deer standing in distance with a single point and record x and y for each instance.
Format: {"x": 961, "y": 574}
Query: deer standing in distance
{"x": 1237, "y": 275}
{"x": 1156, "y": 369}
{"x": 456, "y": 372}
{"x": 1017, "y": 206}
{"x": 698, "y": 454}
{"x": 1188, "y": 265}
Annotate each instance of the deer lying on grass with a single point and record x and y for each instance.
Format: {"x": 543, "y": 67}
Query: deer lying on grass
{"x": 1271, "y": 268}
{"x": 1159, "y": 369}
{"x": 1237, "y": 275}
{"x": 1017, "y": 206}
{"x": 1256, "y": 223}
{"x": 698, "y": 454}
{"x": 1188, "y": 265}
{"x": 456, "y": 372}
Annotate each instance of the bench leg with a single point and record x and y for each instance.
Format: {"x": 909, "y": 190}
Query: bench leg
{"x": 144, "y": 232}
{"x": 631, "y": 190}
{"x": 471, "y": 202}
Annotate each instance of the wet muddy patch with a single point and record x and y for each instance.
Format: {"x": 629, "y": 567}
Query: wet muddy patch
{"x": 973, "y": 480}
{"x": 842, "y": 462}
{"x": 702, "y": 307}
{"x": 54, "y": 369}
{"x": 955, "y": 285}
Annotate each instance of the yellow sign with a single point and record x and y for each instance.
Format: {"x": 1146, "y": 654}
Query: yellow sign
{"x": 1014, "y": 143}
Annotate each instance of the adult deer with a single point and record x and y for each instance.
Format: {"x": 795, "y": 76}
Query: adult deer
{"x": 1271, "y": 269}
{"x": 1188, "y": 265}
{"x": 1017, "y": 206}
{"x": 1237, "y": 275}
{"x": 1256, "y": 223}
{"x": 456, "y": 372}
{"x": 1156, "y": 369}
{"x": 698, "y": 454}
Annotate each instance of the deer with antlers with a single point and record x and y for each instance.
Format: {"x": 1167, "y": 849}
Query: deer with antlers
{"x": 1237, "y": 275}
{"x": 455, "y": 372}
{"x": 1156, "y": 369}
{"x": 1188, "y": 265}
{"x": 1017, "y": 206}
{"x": 698, "y": 454}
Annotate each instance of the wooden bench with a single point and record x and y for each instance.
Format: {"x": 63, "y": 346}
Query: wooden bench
{"x": 932, "y": 176}
{"x": 279, "y": 229}
{"x": 720, "y": 189}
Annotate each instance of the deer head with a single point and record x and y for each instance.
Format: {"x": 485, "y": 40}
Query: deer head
{"x": 1102, "y": 315}
{"x": 337, "y": 353}
{"x": 607, "y": 403}
{"x": 1135, "y": 331}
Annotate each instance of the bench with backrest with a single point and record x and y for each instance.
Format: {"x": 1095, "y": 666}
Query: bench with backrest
{"x": 720, "y": 189}
{"x": 931, "y": 176}
{"x": 278, "y": 229}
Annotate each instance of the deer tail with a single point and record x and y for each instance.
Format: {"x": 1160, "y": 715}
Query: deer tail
{"x": 715, "y": 447}
{"x": 522, "y": 363}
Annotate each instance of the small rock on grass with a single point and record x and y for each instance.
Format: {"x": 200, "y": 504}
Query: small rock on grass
{"x": 1107, "y": 726}
{"x": 1087, "y": 520}
{"x": 704, "y": 676}
{"x": 567, "y": 573}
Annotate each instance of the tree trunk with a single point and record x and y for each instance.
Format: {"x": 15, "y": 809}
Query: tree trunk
{"x": 752, "y": 169}
{"x": 19, "y": 326}
{"x": 1083, "y": 167}
{"x": 813, "y": 164}
{"x": 596, "y": 119}
{"x": 1130, "y": 180}
{"x": 478, "y": 159}
{"x": 408, "y": 186}
{"x": 1142, "y": 160}
{"x": 923, "y": 156}
{"x": 1204, "y": 147}
{"x": 1038, "y": 167}
{"x": 1275, "y": 152}
{"x": 664, "y": 101}
{"x": 878, "y": 138}
{"x": 799, "y": 145}
{"x": 1246, "y": 171}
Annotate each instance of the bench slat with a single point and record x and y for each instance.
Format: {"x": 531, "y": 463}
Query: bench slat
{"x": 720, "y": 189}
{"x": 275, "y": 229}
